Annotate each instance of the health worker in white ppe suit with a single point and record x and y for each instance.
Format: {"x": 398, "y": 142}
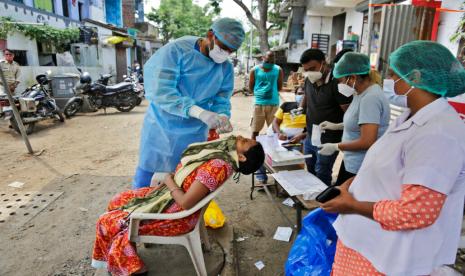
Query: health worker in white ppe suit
{"x": 188, "y": 84}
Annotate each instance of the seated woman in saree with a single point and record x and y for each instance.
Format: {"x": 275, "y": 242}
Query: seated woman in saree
{"x": 203, "y": 168}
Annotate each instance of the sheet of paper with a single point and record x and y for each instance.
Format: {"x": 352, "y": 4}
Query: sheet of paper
{"x": 316, "y": 135}
{"x": 299, "y": 182}
{"x": 283, "y": 234}
{"x": 259, "y": 265}
{"x": 289, "y": 202}
{"x": 16, "y": 184}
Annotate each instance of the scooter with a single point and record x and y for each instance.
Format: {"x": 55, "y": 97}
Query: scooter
{"x": 120, "y": 96}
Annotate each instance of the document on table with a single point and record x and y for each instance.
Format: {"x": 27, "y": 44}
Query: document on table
{"x": 299, "y": 182}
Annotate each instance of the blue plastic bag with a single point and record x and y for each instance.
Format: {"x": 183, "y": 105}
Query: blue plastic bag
{"x": 312, "y": 253}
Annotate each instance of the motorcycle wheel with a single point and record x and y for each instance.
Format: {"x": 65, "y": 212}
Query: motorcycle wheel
{"x": 127, "y": 102}
{"x": 139, "y": 101}
{"x": 71, "y": 109}
{"x": 29, "y": 127}
{"x": 60, "y": 116}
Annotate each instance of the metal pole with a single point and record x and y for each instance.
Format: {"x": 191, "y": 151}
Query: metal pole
{"x": 370, "y": 25}
{"x": 16, "y": 113}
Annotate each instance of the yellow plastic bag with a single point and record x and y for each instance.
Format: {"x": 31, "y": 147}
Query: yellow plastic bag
{"x": 213, "y": 216}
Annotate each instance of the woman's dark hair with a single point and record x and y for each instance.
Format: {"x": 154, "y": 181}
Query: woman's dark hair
{"x": 8, "y": 50}
{"x": 312, "y": 54}
{"x": 255, "y": 157}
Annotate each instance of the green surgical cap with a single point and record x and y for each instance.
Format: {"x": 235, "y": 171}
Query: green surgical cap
{"x": 352, "y": 64}
{"x": 229, "y": 31}
{"x": 429, "y": 66}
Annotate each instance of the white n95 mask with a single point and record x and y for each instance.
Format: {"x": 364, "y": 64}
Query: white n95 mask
{"x": 313, "y": 76}
{"x": 345, "y": 90}
{"x": 218, "y": 55}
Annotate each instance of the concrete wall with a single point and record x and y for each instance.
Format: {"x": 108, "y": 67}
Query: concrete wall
{"x": 354, "y": 19}
{"x": 28, "y": 14}
{"x": 97, "y": 10}
{"x": 312, "y": 25}
{"x": 17, "y": 41}
{"x": 317, "y": 25}
{"x": 448, "y": 24}
{"x": 107, "y": 52}
{"x": 129, "y": 10}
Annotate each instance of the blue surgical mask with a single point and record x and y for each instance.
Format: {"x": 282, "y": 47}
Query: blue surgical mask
{"x": 392, "y": 96}
{"x": 299, "y": 98}
{"x": 388, "y": 88}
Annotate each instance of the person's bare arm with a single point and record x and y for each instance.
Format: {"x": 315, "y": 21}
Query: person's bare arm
{"x": 344, "y": 107}
{"x": 251, "y": 81}
{"x": 368, "y": 136}
{"x": 303, "y": 103}
{"x": 187, "y": 200}
{"x": 280, "y": 80}
{"x": 276, "y": 123}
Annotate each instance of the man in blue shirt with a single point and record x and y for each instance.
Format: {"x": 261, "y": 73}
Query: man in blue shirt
{"x": 266, "y": 80}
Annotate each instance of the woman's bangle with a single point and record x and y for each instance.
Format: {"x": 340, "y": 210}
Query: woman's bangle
{"x": 171, "y": 191}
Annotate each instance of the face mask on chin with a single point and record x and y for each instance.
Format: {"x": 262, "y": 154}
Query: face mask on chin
{"x": 267, "y": 65}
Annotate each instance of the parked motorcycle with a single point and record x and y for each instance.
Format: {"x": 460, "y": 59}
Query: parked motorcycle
{"x": 104, "y": 79}
{"x": 5, "y": 108}
{"x": 34, "y": 104}
{"x": 120, "y": 96}
{"x": 135, "y": 77}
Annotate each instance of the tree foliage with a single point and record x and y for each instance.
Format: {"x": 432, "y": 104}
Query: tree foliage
{"x": 268, "y": 17}
{"x": 177, "y": 18}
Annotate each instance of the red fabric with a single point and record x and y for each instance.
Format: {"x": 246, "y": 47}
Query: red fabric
{"x": 418, "y": 207}
{"x": 111, "y": 242}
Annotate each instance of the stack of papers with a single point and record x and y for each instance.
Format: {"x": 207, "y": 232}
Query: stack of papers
{"x": 300, "y": 182}
{"x": 278, "y": 155}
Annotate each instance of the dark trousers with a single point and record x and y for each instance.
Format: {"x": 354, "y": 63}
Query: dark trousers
{"x": 343, "y": 175}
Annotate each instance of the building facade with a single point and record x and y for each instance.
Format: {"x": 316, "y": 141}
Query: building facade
{"x": 332, "y": 25}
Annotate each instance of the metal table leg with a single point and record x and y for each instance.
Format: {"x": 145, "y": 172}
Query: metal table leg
{"x": 298, "y": 208}
{"x": 253, "y": 186}
{"x": 277, "y": 205}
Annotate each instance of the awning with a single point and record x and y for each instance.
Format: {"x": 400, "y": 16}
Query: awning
{"x": 363, "y": 6}
{"x": 118, "y": 39}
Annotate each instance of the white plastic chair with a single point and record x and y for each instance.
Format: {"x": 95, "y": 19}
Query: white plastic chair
{"x": 190, "y": 240}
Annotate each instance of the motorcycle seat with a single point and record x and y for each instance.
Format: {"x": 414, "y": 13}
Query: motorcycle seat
{"x": 122, "y": 86}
